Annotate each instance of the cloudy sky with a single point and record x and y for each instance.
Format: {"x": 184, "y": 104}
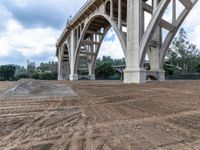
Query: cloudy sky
{"x": 29, "y": 30}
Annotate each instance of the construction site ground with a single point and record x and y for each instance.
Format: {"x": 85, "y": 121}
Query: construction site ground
{"x": 99, "y": 115}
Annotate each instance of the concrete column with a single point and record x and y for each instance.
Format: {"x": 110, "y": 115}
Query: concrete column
{"x": 174, "y": 11}
{"x": 73, "y": 75}
{"x": 154, "y": 52}
{"x": 60, "y": 77}
{"x": 90, "y": 65}
{"x": 111, "y": 9}
{"x": 77, "y": 35}
{"x": 92, "y": 77}
{"x": 134, "y": 73}
{"x": 120, "y": 14}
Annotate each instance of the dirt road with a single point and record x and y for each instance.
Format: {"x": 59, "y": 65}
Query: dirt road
{"x": 101, "y": 115}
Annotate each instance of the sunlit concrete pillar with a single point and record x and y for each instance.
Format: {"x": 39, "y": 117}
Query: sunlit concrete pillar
{"x": 133, "y": 72}
{"x": 111, "y": 9}
{"x": 174, "y": 11}
{"x": 91, "y": 58}
{"x": 120, "y": 14}
{"x": 154, "y": 51}
{"x": 73, "y": 75}
{"x": 65, "y": 70}
{"x": 60, "y": 77}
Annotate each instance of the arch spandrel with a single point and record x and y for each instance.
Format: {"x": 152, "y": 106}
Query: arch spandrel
{"x": 134, "y": 41}
{"x": 157, "y": 21}
{"x": 111, "y": 23}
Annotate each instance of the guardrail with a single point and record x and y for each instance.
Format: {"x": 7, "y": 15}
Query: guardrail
{"x": 81, "y": 9}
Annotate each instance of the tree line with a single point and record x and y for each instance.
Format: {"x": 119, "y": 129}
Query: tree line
{"x": 183, "y": 57}
{"x": 45, "y": 71}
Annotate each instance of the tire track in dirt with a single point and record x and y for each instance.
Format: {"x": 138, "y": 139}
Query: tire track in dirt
{"x": 104, "y": 117}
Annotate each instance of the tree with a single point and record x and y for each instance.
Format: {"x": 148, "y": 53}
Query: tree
{"x": 105, "y": 70}
{"x": 48, "y": 67}
{"x": 114, "y": 62}
{"x": 7, "y": 72}
{"x": 31, "y": 69}
{"x": 169, "y": 70}
{"x": 21, "y": 72}
{"x": 198, "y": 68}
{"x": 189, "y": 55}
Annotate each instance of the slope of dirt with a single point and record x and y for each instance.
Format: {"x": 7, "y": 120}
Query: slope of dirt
{"x": 103, "y": 115}
{"x": 28, "y": 87}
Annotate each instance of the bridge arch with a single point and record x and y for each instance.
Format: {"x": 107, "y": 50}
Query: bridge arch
{"x": 108, "y": 7}
{"x": 64, "y": 62}
{"x": 108, "y": 23}
{"x": 172, "y": 28}
{"x": 87, "y": 29}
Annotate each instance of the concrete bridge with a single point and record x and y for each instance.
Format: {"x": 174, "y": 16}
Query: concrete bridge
{"x": 149, "y": 74}
{"x": 84, "y": 33}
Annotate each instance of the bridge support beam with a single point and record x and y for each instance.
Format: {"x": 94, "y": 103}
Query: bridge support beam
{"x": 73, "y": 76}
{"x": 92, "y": 77}
{"x": 134, "y": 73}
{"x": 91, "y": 71}
{"x": 120, "y": 14}
{"x": 135, "y": 76}
{"x": 60, "y": 77}
{"x": 158, "y": 75}
{"x": 154, "y": 52}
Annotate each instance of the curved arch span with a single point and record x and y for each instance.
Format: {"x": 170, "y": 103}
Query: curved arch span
{"x": 64, "y": 62}
{"x": 154, "y": 23}
{"x": 112, "y": 24}
{"x": 65, "y": 53}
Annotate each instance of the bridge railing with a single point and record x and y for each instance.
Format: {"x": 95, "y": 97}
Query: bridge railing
{"x": 81, "y": 10}
{"x": 73, "y": 19}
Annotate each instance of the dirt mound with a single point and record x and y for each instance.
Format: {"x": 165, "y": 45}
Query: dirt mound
{"x": 35, "y": 87}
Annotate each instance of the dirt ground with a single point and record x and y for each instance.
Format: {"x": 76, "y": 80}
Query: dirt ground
{"x": 100, "y": 115}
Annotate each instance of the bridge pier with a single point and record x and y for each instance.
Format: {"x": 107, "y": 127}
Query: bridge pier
{"x": 154, "y": 51}
{"x": 73, "y": 76}
{"x": 64, "y": 72}
{"x": 158, "y": 75}
{"x": 92, "y": 77}
{"x": 59, "y": 66}
{"x": 60, "y": 77}
{"x": 134, "y": 73}
{"x": 135, "y": 76}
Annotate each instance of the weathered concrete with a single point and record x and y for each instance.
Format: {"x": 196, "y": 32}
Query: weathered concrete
{"x": 84, "y": 34}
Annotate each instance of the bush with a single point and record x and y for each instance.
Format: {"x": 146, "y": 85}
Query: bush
{"x": 35, "y": 76}
{"x": 105, "y": 71}
{"x": 21, "y": 75}
{"x": 47, "y": 76}
{"x": 169, "y": 70}
{"x": 198, "y": 68}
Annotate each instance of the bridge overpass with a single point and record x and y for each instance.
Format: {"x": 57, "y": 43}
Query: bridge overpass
{"x": 84, "y": 33}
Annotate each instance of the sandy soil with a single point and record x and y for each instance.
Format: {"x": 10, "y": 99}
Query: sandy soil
{"x": 100, "y": 115}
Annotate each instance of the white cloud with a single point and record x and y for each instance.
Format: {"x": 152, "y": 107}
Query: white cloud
{"x": 194, "y": 36}
{"x": 38, "y": 43}
{"x": 29, "y": 42}
{"x": 192, "y": 25}
{"x": 111, "y": 47}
